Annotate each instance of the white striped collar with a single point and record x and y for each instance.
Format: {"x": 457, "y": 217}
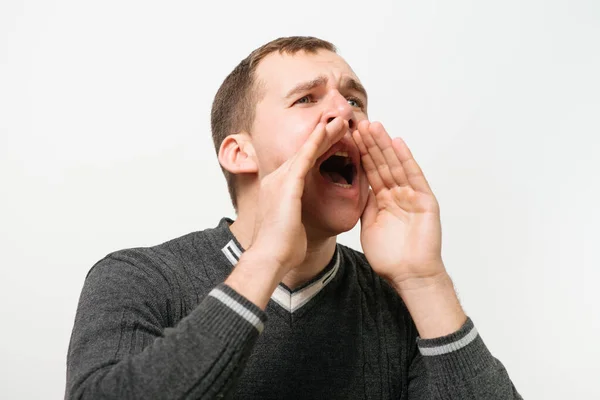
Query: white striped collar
{"x": 232, "y": 252}
{"x": 289, "y": 301}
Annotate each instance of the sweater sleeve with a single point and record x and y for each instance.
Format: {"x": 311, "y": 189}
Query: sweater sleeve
{"x": 121, "y": 347}
{"x": 458, "y": 366}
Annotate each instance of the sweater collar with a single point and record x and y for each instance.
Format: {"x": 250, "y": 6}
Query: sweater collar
{"x": 289, "y": 300}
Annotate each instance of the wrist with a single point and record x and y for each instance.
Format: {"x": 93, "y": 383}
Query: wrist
{"x": 433, "y": 305}
{"x": 255, "y": 277}
{"x": 423, "y": 283}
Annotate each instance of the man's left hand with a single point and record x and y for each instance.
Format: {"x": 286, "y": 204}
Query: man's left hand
{"x": 401, "y": 232}
{"x": 400, "y": 226}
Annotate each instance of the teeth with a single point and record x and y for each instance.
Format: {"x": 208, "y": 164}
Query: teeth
{"x": 342, "y": 185}
{"x": 341, "y": 153}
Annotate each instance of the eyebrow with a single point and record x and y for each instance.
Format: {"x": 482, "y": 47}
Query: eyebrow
{"x": 347, "y": 84}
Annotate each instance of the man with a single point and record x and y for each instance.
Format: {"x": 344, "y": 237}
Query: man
{"x": 269, "y": 306}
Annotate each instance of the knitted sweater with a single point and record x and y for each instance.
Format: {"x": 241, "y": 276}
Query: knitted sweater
{"x": 158, "y": 323}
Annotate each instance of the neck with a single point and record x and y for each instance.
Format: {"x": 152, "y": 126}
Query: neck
{"x": 318, "y": 255}
{"x": 319, "y": 251}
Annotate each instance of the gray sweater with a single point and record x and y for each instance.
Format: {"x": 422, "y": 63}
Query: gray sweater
{"x": 158, "y": 323}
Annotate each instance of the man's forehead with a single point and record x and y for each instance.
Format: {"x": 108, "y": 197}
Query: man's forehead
{"x": 279, "y": 72}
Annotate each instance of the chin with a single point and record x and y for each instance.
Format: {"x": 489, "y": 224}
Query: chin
{"x": 327, "y": 212}
{"x": 329, "y": 221}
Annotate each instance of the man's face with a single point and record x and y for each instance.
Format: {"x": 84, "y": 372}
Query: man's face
{"x": 299, "y": 91}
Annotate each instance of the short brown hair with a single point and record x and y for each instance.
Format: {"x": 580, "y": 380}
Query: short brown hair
{"x": 234, "y": 106}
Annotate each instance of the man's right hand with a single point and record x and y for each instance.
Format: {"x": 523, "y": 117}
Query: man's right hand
{"x": 279, "y": 240}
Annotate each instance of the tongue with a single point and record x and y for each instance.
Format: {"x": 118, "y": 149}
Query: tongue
{"x": 335, "y": 177}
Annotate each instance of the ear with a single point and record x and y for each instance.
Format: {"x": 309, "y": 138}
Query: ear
{"x": 237, "y": 155}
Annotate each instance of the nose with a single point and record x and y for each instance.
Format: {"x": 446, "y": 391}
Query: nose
{"x": 338, "y": 107}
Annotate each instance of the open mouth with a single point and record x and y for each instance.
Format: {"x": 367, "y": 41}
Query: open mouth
{"x": 339, "y": 169}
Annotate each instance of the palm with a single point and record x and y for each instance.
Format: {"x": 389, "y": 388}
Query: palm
{"x": 400, "y": 227}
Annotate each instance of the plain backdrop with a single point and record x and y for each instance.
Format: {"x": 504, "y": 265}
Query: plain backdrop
{"x": 105, "y": 144}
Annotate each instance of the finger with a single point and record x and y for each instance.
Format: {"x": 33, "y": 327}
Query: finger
{"x": 377, "y": 153}
{"x": 294, "y": 170}
{"x": 317, "y": 144}
{"x": 303, "y": 160}
{"x": 334, "y": 133}
{"x": 367, "y": 161}
{"x": 370, "y": 212}
{"x": 382, "y": 142}
{"x": 413, "y": 172}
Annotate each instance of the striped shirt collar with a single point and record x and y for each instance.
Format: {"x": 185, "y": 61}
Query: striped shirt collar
{"x": 289, "y": 300}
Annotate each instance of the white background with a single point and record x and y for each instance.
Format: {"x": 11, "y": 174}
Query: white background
{"x": 105, "y": 144}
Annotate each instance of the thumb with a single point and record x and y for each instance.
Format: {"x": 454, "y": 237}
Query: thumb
{"x": 370, "y": 212}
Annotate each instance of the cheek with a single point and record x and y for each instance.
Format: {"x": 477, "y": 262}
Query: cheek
{"x": 290, "y": 137}
{"x": 299, "y": 133}
{"x": 279, "y": 138}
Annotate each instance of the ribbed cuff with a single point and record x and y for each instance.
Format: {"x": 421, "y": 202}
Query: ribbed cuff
{"x": 229, "y": 316}
{"x": 457, "y": 356}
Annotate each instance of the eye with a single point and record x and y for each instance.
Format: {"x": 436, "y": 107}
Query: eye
{"x": 304, "y": 100}
{"x": 355, "y": 102}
